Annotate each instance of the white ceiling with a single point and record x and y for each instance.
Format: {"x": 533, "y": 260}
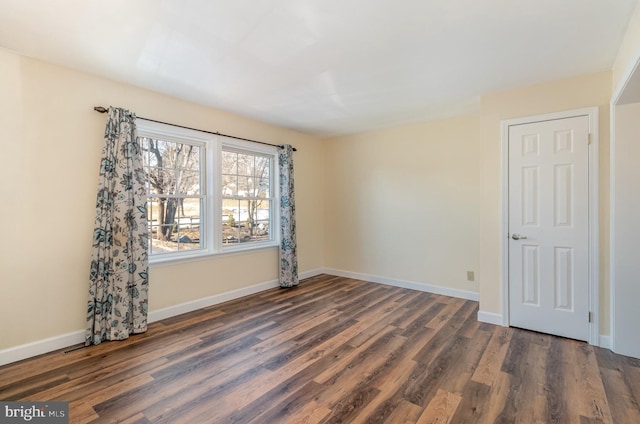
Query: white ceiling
{"x": 323, "y": 67}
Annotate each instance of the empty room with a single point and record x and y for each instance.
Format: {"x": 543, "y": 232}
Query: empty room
{"x": 305, "y": 211}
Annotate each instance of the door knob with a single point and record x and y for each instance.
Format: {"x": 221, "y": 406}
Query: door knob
{"x": 517, "y": 236}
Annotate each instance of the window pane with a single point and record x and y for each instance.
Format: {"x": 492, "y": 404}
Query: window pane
{"x": 188, "y": 182}
{"x": 173, "y": 169}
{"x": 230, "y": 218}
{"x": 243, "y": 213}
{"x": 174, "y": 224}
{"x": 256, "y": 225}
{"x": 263, "y": 188}
{"x": 249, "y": 219}
{"x": 161, "y": 181}
{"x": 188, "y": 229}
{"x": 244, "y": 186}
{"x": 245, "y": 164}
{"x": 186, "y": 157}
{"x": 229, "y": 162}
{"x": 237, "y": 222}
{"x": 262, "y": 167}
{"x": 229, "y": 185}
{"x": 258, "y": 222}
{"x": 230, "y": 209}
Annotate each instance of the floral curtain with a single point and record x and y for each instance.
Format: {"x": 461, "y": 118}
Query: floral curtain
{"x": 288, "y": 247}
{"x": 118, "y": 283}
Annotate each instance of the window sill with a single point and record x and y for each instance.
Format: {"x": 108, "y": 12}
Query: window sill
{"x": 169, "y": 259}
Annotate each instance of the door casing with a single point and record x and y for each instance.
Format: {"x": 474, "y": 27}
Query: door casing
{"x": 594, "y": 264}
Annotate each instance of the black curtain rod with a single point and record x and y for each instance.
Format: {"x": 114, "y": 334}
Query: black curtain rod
{"x": 102, "y": 109}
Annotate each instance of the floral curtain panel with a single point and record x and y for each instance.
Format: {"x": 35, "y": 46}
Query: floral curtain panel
{"x": 288, "y": 247}
{"x": 118, "y": 284}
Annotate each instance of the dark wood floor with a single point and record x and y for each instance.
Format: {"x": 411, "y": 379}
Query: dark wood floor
{"x": 335, "y": 350}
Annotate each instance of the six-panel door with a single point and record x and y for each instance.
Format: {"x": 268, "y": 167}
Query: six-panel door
{"x": 549, "y": 226}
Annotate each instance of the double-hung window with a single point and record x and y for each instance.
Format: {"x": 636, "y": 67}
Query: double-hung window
{"x": 206, "y": 194}
{"x": 247, "y": 196}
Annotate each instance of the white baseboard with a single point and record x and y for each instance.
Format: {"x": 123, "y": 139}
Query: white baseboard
{"x": 29, "y": 350}
{"x": 605, "y": 341}
{"x": 491, "y": 318}
{"x": 183, "y": 308}
{"x": 194, "y": 305}
{"x": 429, "y": 288}
{"x": 18, "y": 353}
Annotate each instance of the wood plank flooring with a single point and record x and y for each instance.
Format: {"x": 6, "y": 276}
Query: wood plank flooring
{"x": 334, "y": 350}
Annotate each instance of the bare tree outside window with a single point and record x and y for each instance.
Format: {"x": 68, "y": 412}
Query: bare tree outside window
{"x": 174, "y": 194}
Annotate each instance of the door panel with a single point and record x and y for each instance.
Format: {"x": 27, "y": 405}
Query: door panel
{"x": 549, "y": 226}
{"x": 530, "y": 275}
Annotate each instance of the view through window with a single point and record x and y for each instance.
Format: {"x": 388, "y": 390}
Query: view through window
{"x": 207, "y": 194}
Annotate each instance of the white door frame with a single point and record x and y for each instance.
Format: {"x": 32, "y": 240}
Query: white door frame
{"x": 594, "y": 250}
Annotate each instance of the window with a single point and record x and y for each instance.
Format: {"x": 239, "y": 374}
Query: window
{"x": 246, "y": 196}
{"x": 207, "y": 194}
{"x": 175, "y": 199}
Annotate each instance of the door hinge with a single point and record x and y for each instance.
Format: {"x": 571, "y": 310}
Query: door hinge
{"x": 590, "y": 316}
{"x": 589, "y": 138}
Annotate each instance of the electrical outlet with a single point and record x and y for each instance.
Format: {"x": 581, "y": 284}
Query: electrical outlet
{"x": 471, "y": 276}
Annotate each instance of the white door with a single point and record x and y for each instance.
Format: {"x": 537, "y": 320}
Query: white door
{"x": 549, "y": 227}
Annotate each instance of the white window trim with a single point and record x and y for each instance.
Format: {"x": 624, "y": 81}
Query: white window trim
{"x": 212, "y": 189}
{"x": 275, "y": 210}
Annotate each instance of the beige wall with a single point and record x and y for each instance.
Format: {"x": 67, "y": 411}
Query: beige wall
{"x": 572, "y": 93}
{"x": 403, "y": 203}
{"x": 419, "y": 203}
{"x": 50, "y": 139}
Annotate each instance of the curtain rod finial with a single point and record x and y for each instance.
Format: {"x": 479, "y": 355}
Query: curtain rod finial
{"x": 100, "y": 109}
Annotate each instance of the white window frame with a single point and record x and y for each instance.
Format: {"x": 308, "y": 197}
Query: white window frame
{"x": 211, "y": 188}
{"x": 259, "y": 149}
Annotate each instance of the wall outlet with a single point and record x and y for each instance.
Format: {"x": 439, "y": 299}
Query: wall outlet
{"x": 471, "y": 276}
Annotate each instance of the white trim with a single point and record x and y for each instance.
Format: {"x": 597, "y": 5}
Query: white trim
{"x": 311, "y": 273}
{"x": 605, "y": 341}
{"x": 594, "y": 226}
{"x": 612, "y": 223}
{"x": 491, "y": 318}
{"x": 204, "y": 302}
{"x": 504, "y": 231}
{"x": 28, "y": 350}
{"x": 193, "y": 305}
{"x": 413, "y": 285}
{"x": 594, "y": 217}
